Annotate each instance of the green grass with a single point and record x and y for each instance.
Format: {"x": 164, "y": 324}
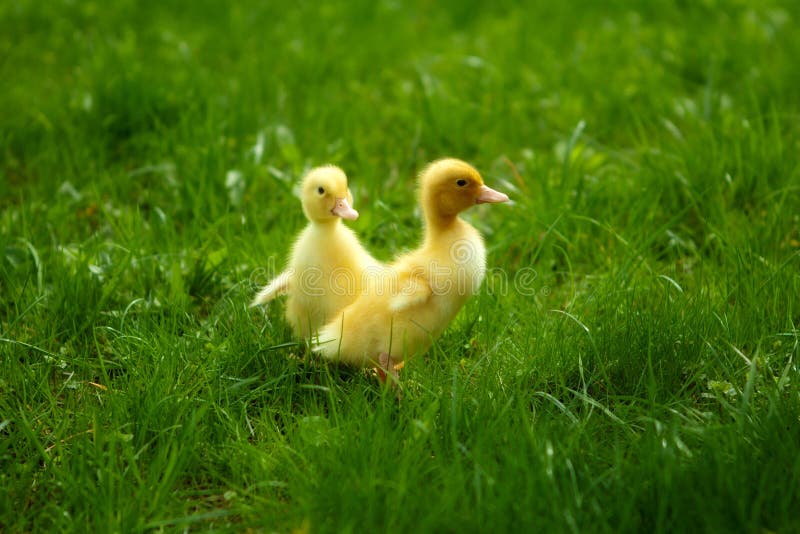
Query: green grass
{"x": 639, "y": 373}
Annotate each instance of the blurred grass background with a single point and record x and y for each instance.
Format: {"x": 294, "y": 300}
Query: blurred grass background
{"x": 638, "y": 372}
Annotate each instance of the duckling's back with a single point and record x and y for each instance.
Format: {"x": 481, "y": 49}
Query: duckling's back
{"x": 413, "y": 301}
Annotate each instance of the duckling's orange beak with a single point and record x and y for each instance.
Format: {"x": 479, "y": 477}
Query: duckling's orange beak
{"x": 342, "y": 209}
{"x": 489, "y": 195}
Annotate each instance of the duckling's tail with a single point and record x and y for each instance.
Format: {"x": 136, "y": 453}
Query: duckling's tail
{"x": 279, "y": 286}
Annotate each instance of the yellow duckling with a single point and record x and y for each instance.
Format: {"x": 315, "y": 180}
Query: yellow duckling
{"x": 415, "y": 298}
{"x": 323, "y": 274}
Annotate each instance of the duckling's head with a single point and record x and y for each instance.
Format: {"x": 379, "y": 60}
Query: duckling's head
{"x": 449, "y": 186}
{"x": 325, "y": 195}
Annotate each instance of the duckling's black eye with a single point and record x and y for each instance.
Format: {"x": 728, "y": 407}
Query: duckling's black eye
{"x": 461, "y": 183}
{"x": 321, "y": 190}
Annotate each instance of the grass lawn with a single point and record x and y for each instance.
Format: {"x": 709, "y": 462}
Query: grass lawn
{"x": 631, "y": 364}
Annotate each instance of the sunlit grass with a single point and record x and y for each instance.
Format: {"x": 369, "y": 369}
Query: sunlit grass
{"x": 631, "y": 365}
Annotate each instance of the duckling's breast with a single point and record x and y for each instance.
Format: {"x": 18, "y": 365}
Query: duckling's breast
{"x": 326, "y": 269}
{"x": 457, "y": 269}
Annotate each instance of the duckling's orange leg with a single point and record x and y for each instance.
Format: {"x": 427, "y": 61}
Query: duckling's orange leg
{"x": 387, "y": 368}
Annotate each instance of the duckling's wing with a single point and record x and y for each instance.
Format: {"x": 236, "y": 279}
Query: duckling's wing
{"x": 412, "y": 291}
{"x": 279, "y": 286}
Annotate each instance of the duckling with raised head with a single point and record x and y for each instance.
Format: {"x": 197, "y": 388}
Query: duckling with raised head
{"x": 416, "y": 296}
{"x": 324, "y": 271}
